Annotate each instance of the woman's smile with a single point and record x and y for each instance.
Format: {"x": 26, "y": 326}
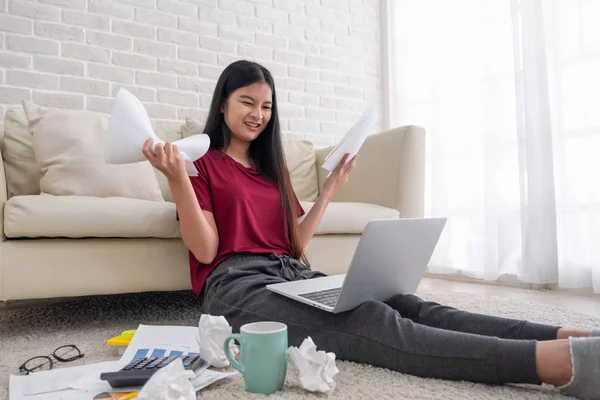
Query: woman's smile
{"x": 253, "y": 126}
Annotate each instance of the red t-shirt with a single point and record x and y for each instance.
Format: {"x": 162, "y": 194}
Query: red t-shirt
{"x": 247, "y": 209}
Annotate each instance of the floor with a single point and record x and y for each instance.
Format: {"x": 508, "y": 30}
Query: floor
{"x": 580, "y": 303}
{"x": 88, "y": 322}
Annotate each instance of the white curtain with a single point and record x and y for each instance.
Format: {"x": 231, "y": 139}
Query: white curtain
{"x": 509, "y": 95}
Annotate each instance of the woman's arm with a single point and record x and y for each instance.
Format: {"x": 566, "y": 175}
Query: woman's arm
{"x": 308, "y": 226}
{"x": 339, "y": 176}
{"x": 198, "y": 228}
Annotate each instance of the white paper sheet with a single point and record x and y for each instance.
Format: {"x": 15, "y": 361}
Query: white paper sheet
{"x": 209, "y": 377}
{"x": 352, "y": 141}
{"x": 46, "y": 382}
{"x": 60, "y": 395}
{"x": 148, "y": 341}
{"x": 161, "y": 340}
{"x": 93, "y": 384}
{"x": 129, "y": 128}
{"x": 83, "y": 382}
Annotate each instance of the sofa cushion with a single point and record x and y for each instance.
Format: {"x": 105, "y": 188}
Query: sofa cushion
{"x": 68, "y": 150}
{"x": 191, "y": 127}
{"x": 81, "y": 216}
{"x": 301, "y": 161}
{"x": 349, "y": 218}
{"x": 22, "y": 173}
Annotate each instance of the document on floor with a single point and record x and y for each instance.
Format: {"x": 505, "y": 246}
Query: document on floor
{"x": 55, "y": 383}
{"x": 152, "y": 341}
{"x": 160, "y": 340}
{"x": 130, "y": 127}
{"x": 353, "y": 140}
{"x": 83, "y": 382}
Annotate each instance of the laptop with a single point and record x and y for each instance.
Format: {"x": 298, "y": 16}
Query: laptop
{"x": 391, "y": 258}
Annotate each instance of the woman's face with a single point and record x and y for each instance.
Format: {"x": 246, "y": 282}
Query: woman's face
{"x": 247, "y": 111}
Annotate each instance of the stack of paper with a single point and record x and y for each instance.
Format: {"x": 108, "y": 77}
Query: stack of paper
{"x": 130, "y": 127}
{"x": 83, "y": 382}
{"x": 352, "y": 141}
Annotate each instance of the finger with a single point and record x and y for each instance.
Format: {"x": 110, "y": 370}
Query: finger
{"x": 342, "y": 161}
{"x": 147, "y": 144}
{"x": 147, "y": 152}
{"x": 160, "y": 153}
{"x": 348, "y": 168}
{"x": 348, "y": 163}
{"x": 168, "y": 150}
{"x": 176, "y": 153}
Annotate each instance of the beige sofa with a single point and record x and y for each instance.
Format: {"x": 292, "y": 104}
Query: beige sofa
{"x": 62, "y": 246}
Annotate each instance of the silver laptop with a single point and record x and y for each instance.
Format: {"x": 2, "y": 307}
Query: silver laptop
{"x": 391, "y": 258}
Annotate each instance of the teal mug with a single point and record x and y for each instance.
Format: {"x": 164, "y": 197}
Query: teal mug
{"x": 264, "y": 360}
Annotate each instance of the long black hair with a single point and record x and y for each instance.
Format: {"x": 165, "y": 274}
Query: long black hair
{"x": 266, "y": 151}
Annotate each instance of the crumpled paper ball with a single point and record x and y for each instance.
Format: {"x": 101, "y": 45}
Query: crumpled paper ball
{"x": 316, "y": 369}
{"x": 172, "y": 382}
{"x": 212, "y": 331}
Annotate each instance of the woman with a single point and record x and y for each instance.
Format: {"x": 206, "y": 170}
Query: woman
{"x": 239, "y": 220}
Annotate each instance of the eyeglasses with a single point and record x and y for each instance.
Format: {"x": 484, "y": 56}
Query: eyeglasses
{"x": 65, "y": 353}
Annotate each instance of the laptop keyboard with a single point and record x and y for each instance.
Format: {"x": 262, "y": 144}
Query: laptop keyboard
{"x": 327, "y": 297}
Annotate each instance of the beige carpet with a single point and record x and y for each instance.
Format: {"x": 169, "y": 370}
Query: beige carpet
{"x": 88, "y": 322}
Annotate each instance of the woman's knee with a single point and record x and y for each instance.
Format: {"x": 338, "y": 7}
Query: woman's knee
{"x": 405, "y": 304}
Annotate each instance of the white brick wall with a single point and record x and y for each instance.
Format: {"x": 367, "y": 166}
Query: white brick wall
{"x": 325, "y": 56}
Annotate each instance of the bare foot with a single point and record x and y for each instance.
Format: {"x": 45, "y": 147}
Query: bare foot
{"x": 566, "y": 333}
{"x": 553, "y": 360}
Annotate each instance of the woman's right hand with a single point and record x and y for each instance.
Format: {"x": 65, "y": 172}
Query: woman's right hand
{"x": 167, "y": 160}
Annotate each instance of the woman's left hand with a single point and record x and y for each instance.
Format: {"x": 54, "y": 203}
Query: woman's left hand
{"x": 339, "y": 176}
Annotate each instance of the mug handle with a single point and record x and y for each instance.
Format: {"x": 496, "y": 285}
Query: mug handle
{"x": 233, "y": 362}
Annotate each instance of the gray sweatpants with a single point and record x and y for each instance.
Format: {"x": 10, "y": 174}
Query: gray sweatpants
{"x": 405, "y": 334}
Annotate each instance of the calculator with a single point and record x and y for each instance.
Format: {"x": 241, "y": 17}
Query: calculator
{"x": 138, "y": 371}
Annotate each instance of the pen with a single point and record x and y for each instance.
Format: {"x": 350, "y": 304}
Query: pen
{"x": 129, "y": 396}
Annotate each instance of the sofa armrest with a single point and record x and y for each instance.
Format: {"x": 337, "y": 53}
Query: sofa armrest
{"x": 3, "y": 196}
{"x": 390, "y": 171}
